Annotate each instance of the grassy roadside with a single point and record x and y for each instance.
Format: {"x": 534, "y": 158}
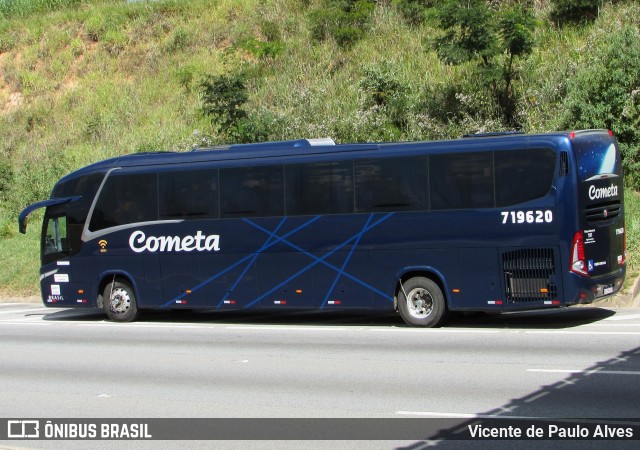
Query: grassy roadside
{"x": 632, "y": 219}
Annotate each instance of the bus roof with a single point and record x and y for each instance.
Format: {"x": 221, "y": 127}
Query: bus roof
{"x": 321, "y": 147}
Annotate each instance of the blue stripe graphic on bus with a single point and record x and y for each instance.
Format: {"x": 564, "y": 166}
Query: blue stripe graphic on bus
{"x": 273, "y": 239}
{"x": 250, "y": 256}
{"x": 344, "y": 265}
{"x": 321, "y": 260}
{"x": 255, "y": 256}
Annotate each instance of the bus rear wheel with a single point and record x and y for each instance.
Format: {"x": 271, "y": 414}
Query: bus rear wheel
{"x": 421, "y": 302}
{"x": 119, "y": 302}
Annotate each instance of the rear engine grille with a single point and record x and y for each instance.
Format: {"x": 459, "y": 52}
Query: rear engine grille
{"x": 603, "y": 211}
{"x": 529, "y": 275}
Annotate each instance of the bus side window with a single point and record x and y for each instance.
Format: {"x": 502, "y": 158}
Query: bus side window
{"x": 126, "y": 198}
{"x": 252, "y": 191}
{"x": 523, "y": 175}
{"x": 392, "y": 184}
{"x": 461, "y": 181}
{"x": 189, "y": 194}
{"x": 319, "y": 188}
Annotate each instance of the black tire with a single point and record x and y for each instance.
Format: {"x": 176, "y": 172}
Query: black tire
{"x": 425, "y": 307}
{"x": 119, "y": 302}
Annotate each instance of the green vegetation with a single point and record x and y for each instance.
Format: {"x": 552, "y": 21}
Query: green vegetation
{"x": 84, "y": 80}
{"x": 496, "y": 39}
{"x": 632, "y": 218}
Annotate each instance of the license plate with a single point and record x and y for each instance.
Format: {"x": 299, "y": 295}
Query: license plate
{"x": 607, "y": 290}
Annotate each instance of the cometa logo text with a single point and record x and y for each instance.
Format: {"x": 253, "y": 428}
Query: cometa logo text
{"x": 140, "y": 242}
{"x": 605, "y": 192}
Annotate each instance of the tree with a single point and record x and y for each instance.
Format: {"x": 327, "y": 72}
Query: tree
{"x": 222, "y": 99}
{"x": 473, "y": 31}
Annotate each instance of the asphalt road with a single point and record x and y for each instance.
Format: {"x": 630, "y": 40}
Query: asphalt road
{"x": 572, "y": 363}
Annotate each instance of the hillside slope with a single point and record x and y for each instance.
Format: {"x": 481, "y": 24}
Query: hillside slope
{"x": 87, "y": 80}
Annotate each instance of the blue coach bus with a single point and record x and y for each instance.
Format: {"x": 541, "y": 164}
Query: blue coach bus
{"x": 494, "y": 222}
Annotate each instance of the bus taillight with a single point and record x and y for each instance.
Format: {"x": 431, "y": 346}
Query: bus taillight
{"x": 578, "y": 263}
{"x": 624, "y": 247}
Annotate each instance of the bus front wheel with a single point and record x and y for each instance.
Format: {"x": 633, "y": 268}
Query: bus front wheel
{"x": 119, "y": 302}
{"x": 421, "y": 302}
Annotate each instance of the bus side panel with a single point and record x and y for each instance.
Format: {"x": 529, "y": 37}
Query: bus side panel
{"x": 438, "y": 264}
{"x": 151, "y": 291}
{"x": 312, "y": 261}
{"x": 226, "y": 281}
{"x": 181, "y": 272}
{"x": 286, "y": 280}
{"x": 351, "y": 287}
{"x": 479, "y": 285}
{"x": 130, "y": 267}
{"x": 59, "y": 286}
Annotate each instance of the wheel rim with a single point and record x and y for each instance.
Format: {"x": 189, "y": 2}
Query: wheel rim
{"x": 420, "y": 303}
{"x": 120, "y": 301}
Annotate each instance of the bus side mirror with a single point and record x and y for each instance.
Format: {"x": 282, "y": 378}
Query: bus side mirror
{"x": 22, "y": 224}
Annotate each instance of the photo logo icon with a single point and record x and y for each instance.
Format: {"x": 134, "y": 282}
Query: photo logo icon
{"x": 23, "y": 429}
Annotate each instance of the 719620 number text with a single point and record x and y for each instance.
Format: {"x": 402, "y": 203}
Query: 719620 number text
{"x": 519, "y": 217}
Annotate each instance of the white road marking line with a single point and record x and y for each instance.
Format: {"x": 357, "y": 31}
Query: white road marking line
{"x": 277, "y": 328}
{"x": 623, "y": 317}
{"x": 598, "y": 333}
{"x": 289, "y": 328}
{"x": 442, "y": 330}
{"x": 452, "y": 415}
{"x": 137, "y": 325}
{"x": 31, "y": 310}
{"x": 587, "y": 372}
{"x": 536, "y": 397}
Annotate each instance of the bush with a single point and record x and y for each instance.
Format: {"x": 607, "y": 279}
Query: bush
{"x": 414, "y": 11}
{"x": 223, "y": 97}
{"x": 109, "y": 20}
{"x": 383, "y": 92}
{"x": 451, "y": 110}
{"x": 565, "y": 12}
{"x": 6, "y": 178}
{"x": 443, "y": 103}
{"x": 261, "y": 49}
{"x": 23, "y": 8}
{"x": 346, "y": 21}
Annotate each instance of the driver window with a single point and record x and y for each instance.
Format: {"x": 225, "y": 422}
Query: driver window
{"x": 56, "y": 236}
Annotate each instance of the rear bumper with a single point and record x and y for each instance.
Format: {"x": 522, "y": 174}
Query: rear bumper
{"x": 593, "y": 289}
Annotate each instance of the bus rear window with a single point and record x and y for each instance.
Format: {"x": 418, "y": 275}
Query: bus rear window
{"x": 523, "y": 175}
{"x": 597, "y": 156}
